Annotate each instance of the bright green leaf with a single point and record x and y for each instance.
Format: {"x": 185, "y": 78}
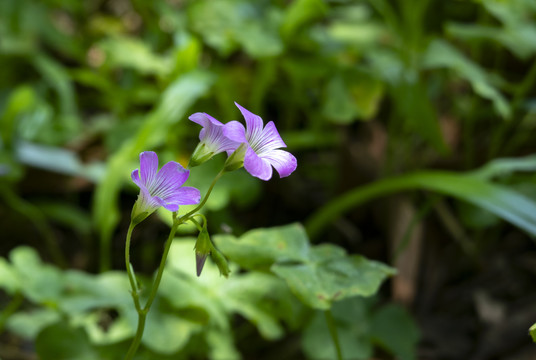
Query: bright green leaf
{"x": 263, "y": 247}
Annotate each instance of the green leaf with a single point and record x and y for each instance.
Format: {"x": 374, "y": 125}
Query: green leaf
{"x": 29, "y": 324}
{"x": 351, "y": 319}
{"x": 263, "y": 299}
{"x": 441, "y": 54}
{"x": 497, "y": 199}
{"x": 262, "y": 247}
{"x": 21, "y": 101}
{"x": 299, "y": 13}
{"x": 9, "y": 280}
{"x": 532, "y": 332}
{"x": 64, "y": 342}
{"x": 419, "y": 114}
{"x": 42, "y": 283}
{"x": 319, "y": 283}
{"x": 58, "y": 160}
{"x": 226, "y": 24}
{"x": 352, "y": 96}
{"x": 394, "y": 330}
{"x": 505, "y": 166}
{"x": 165, "y": 332}
{"x": 123, "y": 51}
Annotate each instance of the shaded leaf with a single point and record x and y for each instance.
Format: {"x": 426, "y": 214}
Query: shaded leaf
{"x": 318, "y": 284}
{"x": 441, "y": 54}
{"x": 63, "y": 342}
{"x": 394, "y": 329}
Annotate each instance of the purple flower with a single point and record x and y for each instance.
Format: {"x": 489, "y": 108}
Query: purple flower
{"x": 262, "y": 146}
{"x": 212, "y": 140}
{"x": 161, "y": 188}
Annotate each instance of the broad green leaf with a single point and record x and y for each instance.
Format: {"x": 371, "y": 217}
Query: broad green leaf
{"x": 42, "y": 283}
{"x": 262, "y": 247}
{"x": 260, "y": 298}
{"x": 102, "y": 330}
{"x": 9, "y": 280}
{"x": 29, "y": 324}
{"x": 394, "y": 330}
{"x": 532, "y": 332}
{"x": 84, "y": 292}
{"x": 441, "y": 54}
{"x": 319, "y": 283}
{"x": 122, "y": 51}
{"x": 228, "y": 23}
{"x": 351, "y": 320}
{"x": 165, "y": 332}
{"x": 221, "y": 345}
{"x": 63, "y": 342}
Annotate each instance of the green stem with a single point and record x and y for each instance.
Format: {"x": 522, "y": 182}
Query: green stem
{"x": 130, "y": 270}
{"x": 158, "y": 278}
{"x": 202, "y": 203}
{"x": 142, "y": 312}
{"x": 333, "y": 332}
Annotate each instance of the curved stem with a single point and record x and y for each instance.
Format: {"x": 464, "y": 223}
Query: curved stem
{"x": 137, "y": 339}
{"x": 158, "y": 278}
{"x": 130, "y": 270}
{"x": 202, "y": 203}
{"x": 142, "y": 312}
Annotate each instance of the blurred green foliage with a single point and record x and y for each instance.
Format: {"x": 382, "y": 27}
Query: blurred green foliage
{"x": 86, "y": 85}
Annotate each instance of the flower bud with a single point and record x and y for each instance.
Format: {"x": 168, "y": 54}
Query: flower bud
{"x": 203, "y": 247}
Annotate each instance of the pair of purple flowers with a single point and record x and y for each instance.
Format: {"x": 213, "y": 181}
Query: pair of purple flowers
{"x": 257, "y": 144}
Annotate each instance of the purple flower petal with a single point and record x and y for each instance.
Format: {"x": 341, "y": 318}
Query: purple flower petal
{"x": 268, "y": 140}
{"x": 170, "y": 177}
{"x": 161, "y": 188}
{"x": 185, "y": 196}
{"x": 136, "y": 177}
{"x": 257, "y": 166}
{"x": 254, "y": 122}
{"x": 283, "y": 161}
{"x": 212, "y": 134}
{"x": 263, "y": 145}
{"x": 235, "y": 131}
{"x": 148, "y": 167}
